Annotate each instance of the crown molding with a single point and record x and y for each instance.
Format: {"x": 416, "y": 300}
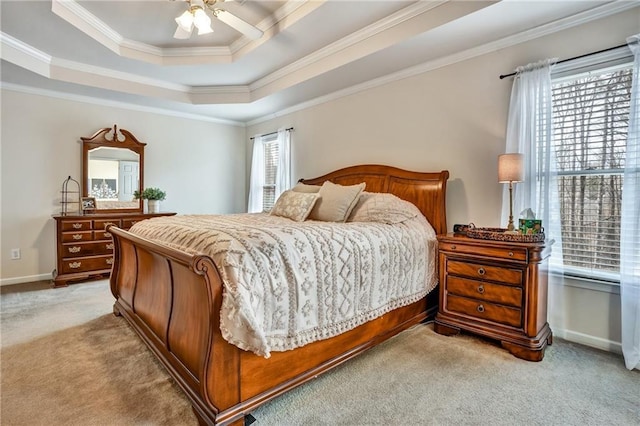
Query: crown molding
{"x": 596, "y": 13}
{"x": 94, "y": 27}
{"x": 115, "y": 104}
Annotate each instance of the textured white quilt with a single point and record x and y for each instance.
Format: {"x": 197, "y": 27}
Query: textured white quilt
{"x": 290, "y": 283}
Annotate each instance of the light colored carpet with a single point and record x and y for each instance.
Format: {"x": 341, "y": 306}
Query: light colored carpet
{"x": 91, "y": 369}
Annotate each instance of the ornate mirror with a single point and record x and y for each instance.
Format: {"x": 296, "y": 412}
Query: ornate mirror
{"x": 113, "y": 169}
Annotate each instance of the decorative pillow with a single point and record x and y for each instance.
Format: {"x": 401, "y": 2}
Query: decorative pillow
{"x": 336, "y": 202}
{"x": 382, "y": 207}
{"x": 294, "y": 205}
{"x": 303, "y": 187}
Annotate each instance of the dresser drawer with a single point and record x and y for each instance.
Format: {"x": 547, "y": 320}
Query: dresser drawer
{"x": 484, "y": 310}
{"x": 512, "y": 253}
{"x": 74, "y": 237}
{"x": 128, "y": 223}
{"x": 76, "y": 225}
{"x": 505, "y": 295}
{"x": 84, "y": 264}
{"x": 87, "y": 249}
{"x": 101, "y": 235}
{"x": 484, "y": 272}
{"x": 99, "y": 225}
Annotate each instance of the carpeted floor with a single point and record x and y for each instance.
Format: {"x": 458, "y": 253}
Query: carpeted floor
{"x": 66, "y": 360}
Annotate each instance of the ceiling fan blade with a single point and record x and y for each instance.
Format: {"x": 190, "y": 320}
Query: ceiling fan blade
{"x": 238, "y": 24}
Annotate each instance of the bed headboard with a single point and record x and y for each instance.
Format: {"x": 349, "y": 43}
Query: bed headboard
{"x": 425, "y": 190}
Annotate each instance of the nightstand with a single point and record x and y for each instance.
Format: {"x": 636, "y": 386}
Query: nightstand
{"x": 496, "y": 289}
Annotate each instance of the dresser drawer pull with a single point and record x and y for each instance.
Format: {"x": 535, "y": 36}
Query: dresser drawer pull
{"x": 109, "y": 261}
{"x": 481, "y": 271}
{"x": 480, "y": 289}
{"x": 77, "y": 236}
{"x": 110, "y": 246}
{"x": 510, "y": 254}
{"x": 107, "y": 224}
{"x": 107, "y": 234}
{"x": 453, "y": 247}
{"x": 133, "y": 222}
{"x": 77, "y": 226}
{"x": 75, "y": 249}
{"x": 75, "y": 265}
{"x": 480, "y": 308}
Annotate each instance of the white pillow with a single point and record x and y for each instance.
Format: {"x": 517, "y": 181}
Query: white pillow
{"x": 336, "y": 202}
{"x": 303, "y": 187}
{"x": 382, "y": 207}
{"x": 294, "y": 205}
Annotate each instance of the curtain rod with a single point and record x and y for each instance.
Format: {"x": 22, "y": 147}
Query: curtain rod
{"x": 575, "y": 57}
{"x": 272, "y": 133}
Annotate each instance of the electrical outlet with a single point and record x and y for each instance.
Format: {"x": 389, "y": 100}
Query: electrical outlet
{"x": 15, "y": 254}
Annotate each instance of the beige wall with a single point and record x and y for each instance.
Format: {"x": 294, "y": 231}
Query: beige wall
{"x": 453, "y": 118}
{"x": 199, "y": 164}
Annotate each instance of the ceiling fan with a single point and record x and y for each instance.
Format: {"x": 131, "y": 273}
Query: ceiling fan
{"x": 197, "y": 15}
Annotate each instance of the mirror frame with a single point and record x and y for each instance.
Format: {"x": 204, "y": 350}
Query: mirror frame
{"x": 112, "y": 138}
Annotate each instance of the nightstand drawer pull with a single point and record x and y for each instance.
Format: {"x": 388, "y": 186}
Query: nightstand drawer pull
{"x": 480, "y": 289}
{"x": 481, "y": 271}
{"x": 510, "y": 254}
{"x": 480, "y": 308}
{"x": 77, "y": 226}
{"x": 75, "y": 265}
{"x": 75, "y": 249}
{"x": 453, "y": 247}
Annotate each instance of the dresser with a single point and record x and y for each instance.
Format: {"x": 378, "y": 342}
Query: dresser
{"x": 85, "y": 248}
{"x": 495, "y": 289}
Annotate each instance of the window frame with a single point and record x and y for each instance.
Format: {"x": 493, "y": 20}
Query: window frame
{"x": 607, "y": 62}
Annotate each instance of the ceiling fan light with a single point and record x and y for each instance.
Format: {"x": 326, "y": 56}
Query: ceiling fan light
{"x": 185, "y": 21}
{"x": 202, "y": 21}
{"x": 181, "y": 33}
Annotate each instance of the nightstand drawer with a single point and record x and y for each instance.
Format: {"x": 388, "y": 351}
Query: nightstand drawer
{"x": 485, "y": 272}
{"x": 505, "y": 253}
{"x": 484, "y": 310}
{"x": 505, "y": 295}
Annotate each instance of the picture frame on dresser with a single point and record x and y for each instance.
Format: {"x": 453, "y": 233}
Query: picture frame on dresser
{"x": 88, "y": 204}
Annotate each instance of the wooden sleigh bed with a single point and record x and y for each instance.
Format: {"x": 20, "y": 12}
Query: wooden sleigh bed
{"x": 172, "y": 300}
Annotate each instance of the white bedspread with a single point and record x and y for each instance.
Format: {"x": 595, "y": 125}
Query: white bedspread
{"x": 287, "y": 284}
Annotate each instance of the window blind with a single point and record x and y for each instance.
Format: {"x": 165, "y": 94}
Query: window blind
{"x": 270, "y": 170}
{"x": 590, "y": 118}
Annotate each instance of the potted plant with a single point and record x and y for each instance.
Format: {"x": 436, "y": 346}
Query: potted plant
{"x": 153, "y": 197}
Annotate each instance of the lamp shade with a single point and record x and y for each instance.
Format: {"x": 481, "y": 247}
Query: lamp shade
{"x": 510, "y": 168}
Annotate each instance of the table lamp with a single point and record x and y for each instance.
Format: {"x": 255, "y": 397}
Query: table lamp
{"x": 510, "y": 170}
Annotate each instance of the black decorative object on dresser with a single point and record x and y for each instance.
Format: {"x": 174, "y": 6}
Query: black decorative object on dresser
{"x": 84, "y": 248}
{"x": 497, "y": 289}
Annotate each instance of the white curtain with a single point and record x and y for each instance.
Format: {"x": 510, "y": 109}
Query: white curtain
{"x": 257, "y": 176}
{"x": 630, "y": 226}
{"x": 283, "y": 173}
{"x": 530, "y": 132}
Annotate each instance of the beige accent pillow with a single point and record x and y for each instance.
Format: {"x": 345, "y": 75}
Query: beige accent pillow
{"x": 294, "y": 205}
{"x": 382, "y": 207}
{"x": 303, "y": 187}
{"x": 336, "y": 202}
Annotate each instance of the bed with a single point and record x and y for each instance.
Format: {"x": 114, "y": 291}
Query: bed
{"x": 173, "y": 299}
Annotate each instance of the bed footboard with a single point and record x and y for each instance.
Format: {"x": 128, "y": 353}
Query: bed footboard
{"x": 172, "y": 300}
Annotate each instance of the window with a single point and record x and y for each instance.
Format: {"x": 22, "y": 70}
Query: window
{"x": 270, "y": 172}
{"x": 590, "y": 119}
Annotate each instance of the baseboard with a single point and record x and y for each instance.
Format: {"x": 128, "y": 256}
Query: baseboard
{"x": 588, "y": 340}
{"x": 27, "y": 279}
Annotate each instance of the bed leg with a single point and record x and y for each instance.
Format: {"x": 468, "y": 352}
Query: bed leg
{"x": 116, "y": 311}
